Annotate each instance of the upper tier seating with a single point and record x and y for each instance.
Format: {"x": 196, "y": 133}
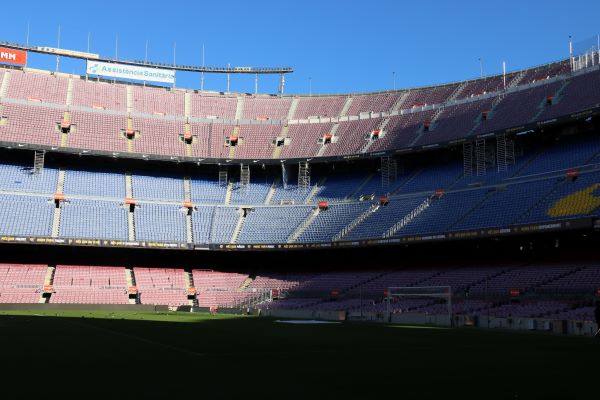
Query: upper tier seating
{"x": 35, "y": 103}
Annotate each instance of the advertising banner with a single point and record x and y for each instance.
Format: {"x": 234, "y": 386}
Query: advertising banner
{"x": 10, "y": 56}
{"x": 130, "y": 72}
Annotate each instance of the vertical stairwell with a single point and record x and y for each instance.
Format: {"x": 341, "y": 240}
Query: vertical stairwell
{"x": 129, "y": 100}
{"x": 293, "y": 108}
{"x": 130, "y": 215}
{"x": 187, "y": 104}
{"x": 130, "y": 277}
{"x": 187, "y": 188}
{"x": 69, "y": 101}
{"x": 188, "y": 146}
{"x": 189, "y": 281}
{"x": 64, "y": 137}
{"x": 60, "y": 187}
{"x": 228, "y": 193}
{"x": 189, "y": 228}
{"x": 48, "y": 281}
{"x": 130, "y": 148}
{"x": 236, "y": 132}
{"x": 278, "y": 149}
{"x": 284, "y": 129}
{"x": 239, "y": 108}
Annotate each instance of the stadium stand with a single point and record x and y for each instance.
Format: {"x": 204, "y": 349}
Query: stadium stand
{"x": 21, "y": 283}
{"x": 555, "y": 176}
{"x": 426, "y": 115}
{"x": 89, "y": 285}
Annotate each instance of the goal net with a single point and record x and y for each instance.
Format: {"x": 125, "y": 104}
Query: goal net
{"x": 412, "y": 298}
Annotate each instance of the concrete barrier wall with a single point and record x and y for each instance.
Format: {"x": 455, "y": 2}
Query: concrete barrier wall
{"x": 306, "y": 314}
{"x": 86, "y": 307}
{"x": 578, "y": 328}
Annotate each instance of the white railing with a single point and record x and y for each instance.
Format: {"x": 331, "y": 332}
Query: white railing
{"x": 408, "y": 218}
{"x": 346, "y": 230}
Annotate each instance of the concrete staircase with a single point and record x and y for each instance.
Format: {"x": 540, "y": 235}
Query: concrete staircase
{"x": 56, "y": 222}
{"x": 187, "y": 188}
{"x": 523, "y": 217}
{"x": 516, "y": 80}
{"x": 236, "y": 132}
{"x": 304, "y": 225}
{"x": 315, "y": 189}
{"x": 239, "y": 108}
{"x": 60, "y": 187}
{"x": 64, "y": 137}
{"x": 188, "y": 146}
{"x": 360, "y": 187}
{"x": 293, "y": 108}
{"x": 272, "y": 191}
{"x": 408, "y": 218}
{"x": 323, "y": 147}
{"x": 5, "y": 83}
{"x": 346, "y": 107}
{"x": 395, "y": 108}
{"x": 48, "y": 280}
{"x": 130, "y": 215}
{"x": 69, "y": 101}
{"x": 247, "y": 282}
{"x": 368, "y": 145}
{"x": 129, "y": 100}
{"x": 471, "y": 210}
{"x": 60, "y": 183}
{"x": 238, "y": 228}
{"x": 130, "y": 277}
{"x": 555, "y": 99}
{"x": 130, "y": 148}
{"x": 187, "y": 101}
{"x": 228, "y": 192}
{"x": 189, "y": 228}
{"x": 189, "y": 280}
{"x": 357, "y": 221}
{"x": 278, "y": 149}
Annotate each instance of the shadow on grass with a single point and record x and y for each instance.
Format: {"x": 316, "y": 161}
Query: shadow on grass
{"x": 167, "y": 355}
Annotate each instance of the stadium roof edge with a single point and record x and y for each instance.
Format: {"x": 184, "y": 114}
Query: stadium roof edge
{"x": 267, "y": 70}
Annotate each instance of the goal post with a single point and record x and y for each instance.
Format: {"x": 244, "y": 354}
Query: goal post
{"x": 420, "y": 292}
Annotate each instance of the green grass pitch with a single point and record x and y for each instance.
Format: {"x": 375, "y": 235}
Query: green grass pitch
{"x": 183, "y": 355}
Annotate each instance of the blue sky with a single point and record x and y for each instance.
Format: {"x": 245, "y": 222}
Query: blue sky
{"x": 334, "y": 46}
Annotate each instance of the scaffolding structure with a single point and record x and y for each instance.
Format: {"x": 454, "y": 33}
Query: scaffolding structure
{"x": 244, "y": 176}
{"x": 223, "y": 179}
{"x": 505, "y": 152}
{"x": 38, "y": 161}
{"x": 389, "y": 171}
{"x": 303, "y": 176}
{"x": 468, "y": 158}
